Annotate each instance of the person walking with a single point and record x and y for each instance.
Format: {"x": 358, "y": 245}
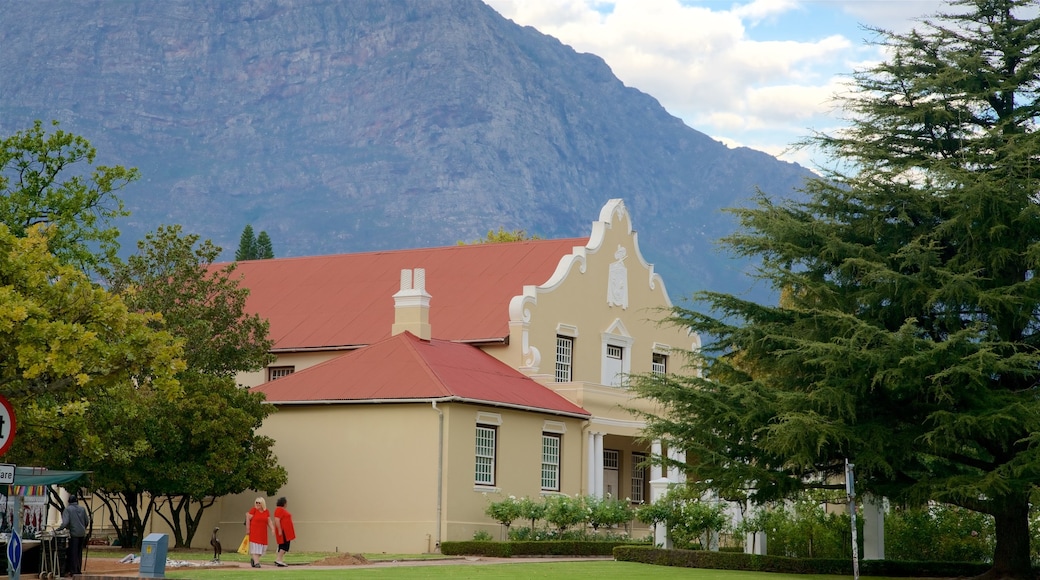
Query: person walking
{"x": 76, "y": 520}
{"x": 284, "y": 532}
{"x": 259, "y": 522}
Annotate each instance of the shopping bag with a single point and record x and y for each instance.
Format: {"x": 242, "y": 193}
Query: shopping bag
{"x": 243, "y": 548}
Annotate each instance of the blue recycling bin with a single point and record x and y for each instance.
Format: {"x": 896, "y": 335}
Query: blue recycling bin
{"x": 153, "y": 556}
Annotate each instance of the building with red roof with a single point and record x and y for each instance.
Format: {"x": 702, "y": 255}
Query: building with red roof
{"x": 414, "y": 386}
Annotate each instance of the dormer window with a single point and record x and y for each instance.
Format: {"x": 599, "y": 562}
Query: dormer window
{"x": 279, "y": 372}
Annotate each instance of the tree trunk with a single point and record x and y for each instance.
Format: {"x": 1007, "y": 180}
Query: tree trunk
{"x": 1011, "y": 556}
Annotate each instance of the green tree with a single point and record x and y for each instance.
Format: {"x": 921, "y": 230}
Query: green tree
{"x": 501, "y": 236}
{"x": 207, "y": 439}
{"x": 907, "y": 339}
{"x": 246, "y": 245}
{"x": 49, "y": 180}
{"x": 264, "y": 249}
{"x": 210, "y": 448}
{"x": 72, "y": 354}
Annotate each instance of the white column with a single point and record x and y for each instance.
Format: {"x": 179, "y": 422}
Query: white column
{"x": 598, "y": 490}
{"x": 755, "y": 543}
{"x": 674, "y": 473}
{"x": 655, "y": 452}
{"x": 873, "y": 528}
{"x": 659, "y": 487}
{"x": 590, "y": 463}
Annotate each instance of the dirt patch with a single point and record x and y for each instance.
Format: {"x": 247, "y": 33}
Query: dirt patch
{"x": 93, "y": 565}
{"x": 343, "y": 560}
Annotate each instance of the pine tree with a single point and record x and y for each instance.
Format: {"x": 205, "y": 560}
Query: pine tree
{"x": 247, "y": 249}
{"x": 907, "y": 338}
{"x": 264, "y": 249}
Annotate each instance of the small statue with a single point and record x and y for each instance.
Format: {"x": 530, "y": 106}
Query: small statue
{"x": 215, "y": 542}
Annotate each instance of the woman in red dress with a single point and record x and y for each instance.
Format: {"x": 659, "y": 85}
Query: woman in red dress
{"x": 283, "y": 531}
{"x": 259, "y": 522}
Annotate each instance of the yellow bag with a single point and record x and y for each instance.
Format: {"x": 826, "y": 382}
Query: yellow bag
{"x": 243, "y": 548}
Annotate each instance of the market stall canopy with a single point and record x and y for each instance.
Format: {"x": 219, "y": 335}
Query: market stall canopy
{"x": 43, "y": 476}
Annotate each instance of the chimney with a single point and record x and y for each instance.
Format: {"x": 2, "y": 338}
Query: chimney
{"x": 412, "y": 305}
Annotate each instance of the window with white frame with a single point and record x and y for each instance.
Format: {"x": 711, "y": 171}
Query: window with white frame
{"x": 614, "y": 365}
{"x": 551, "y": 444}
{"x": 485, "y": 455}
{"x": 659, "y": 366}
{"x": 638, "y": 494}
{"x": 279, "y": 372}
{"x": 564, "y": 359}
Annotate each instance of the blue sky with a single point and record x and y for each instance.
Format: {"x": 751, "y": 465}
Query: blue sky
{"x": 757, "y": 73}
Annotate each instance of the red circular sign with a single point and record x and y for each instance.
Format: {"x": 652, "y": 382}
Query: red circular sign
{"x": 7, "y": 423}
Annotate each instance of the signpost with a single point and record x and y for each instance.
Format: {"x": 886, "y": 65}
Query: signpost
{"x": 850, "y": 491}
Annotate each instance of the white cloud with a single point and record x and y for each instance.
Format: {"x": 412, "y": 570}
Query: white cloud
{"x": 737, "y": 71}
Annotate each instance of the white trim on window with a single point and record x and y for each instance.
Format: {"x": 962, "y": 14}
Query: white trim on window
{"x": 554, "y": 427}
{"x": 489, "y": 418}
{"x": 567, "y": 330}
{"x": 486, "y": 443}
{"x": 638, "y": 485}
{"x": 277, "y": 372}
{"x": 564, "y": 359}
{"x": 552, "y": 444}
{"x": 659, "y": 364}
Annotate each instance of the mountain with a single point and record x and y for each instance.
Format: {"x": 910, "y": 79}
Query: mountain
{"x": 345, "y": 126}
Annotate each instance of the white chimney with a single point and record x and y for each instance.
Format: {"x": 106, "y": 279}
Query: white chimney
{"x": 412, "y": 305}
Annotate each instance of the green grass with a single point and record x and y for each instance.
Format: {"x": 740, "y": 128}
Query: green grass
{"x": 596, "y": 570}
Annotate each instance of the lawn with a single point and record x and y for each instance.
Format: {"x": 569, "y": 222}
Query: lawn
{"x": 595, "y": 570}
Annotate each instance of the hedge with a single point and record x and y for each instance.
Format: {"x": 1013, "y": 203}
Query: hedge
{"x": 544, "y": 548}
{"x": 757, "y": 563}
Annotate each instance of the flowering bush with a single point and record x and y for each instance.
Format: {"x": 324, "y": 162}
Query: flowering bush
{"x": 684, "y": 515}
{"x": 564, "y": 512}
{"x": 607, "y": 512}
{"x": 505, "y": 511}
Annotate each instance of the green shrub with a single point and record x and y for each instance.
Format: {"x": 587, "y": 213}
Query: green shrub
{"x": 938, "y": 532}
{"x": 607, "y": 512}
{"x": 552, "y": 548}
{"x": 482, "y": 536}
{"x": 490, "y": 549}
{"x": 685, "y": 516}
{"x": 754, "y": 563}
{"x": 505, "y": 511}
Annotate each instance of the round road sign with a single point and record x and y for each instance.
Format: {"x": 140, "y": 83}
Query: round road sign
{"x": 6, "y": 424}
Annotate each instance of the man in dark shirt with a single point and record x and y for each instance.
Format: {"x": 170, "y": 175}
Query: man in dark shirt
{"x": 76, "y": 520}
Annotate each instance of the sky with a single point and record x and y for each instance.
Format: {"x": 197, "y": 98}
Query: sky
{"x": 754, "y": 73}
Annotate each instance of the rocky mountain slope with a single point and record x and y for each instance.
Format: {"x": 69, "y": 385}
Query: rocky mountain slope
{"x": 371, "y": 124}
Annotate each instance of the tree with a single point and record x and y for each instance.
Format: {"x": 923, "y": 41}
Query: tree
{"x": 254, "y": 247}
{"x": 207, "y": 439}
{"x": 70, "y": 353}
{"x": 264, "y": 249}
{"x": 501, "y": 236}
{"x": 210, "y": 449}
{"x": 173, "y": 274}
{"x": 246, "y": 245}
{"x": 907, "y": 336}
{"x": 43, "y": 183}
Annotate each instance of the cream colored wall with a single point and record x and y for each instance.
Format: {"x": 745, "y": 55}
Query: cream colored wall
{"x": 300, "y": 360}
{"x": 362, "y": 478}
{"x": 518, "y": 463}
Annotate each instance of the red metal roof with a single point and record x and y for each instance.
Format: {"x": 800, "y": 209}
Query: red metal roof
{"x": 347, "y": 299}
{"x": 407, "y": 368}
